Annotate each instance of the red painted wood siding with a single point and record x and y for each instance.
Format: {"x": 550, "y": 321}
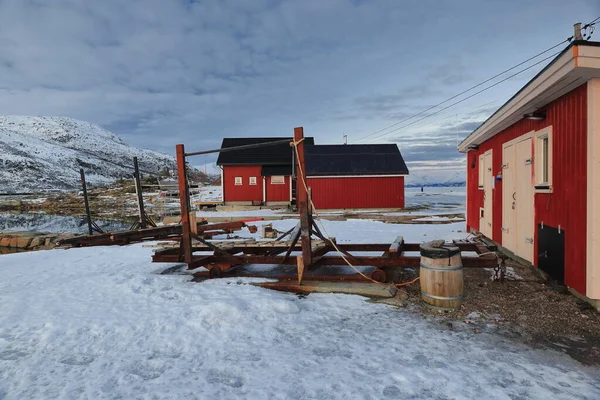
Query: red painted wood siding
{"x": 245, "y": 192}
{"x": 566, "y": 206}
{"x": 357, "y": 192}
{"x": 278, "y": 192}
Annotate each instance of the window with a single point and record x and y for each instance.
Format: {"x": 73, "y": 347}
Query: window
{"x": 278, "y": 180}
{"x": 238, "y": 181}
{"x": 252, "y": 180}
{"x": 543, "y": 160}
{"x": 481, "y": 170}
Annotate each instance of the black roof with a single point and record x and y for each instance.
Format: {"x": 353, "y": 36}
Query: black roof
{"x": 279, "y": 154}
{"x": 354, "y": 159}
{"x": 276, "y": 170}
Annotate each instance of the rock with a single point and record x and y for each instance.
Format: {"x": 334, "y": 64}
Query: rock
{"x": 437, "y": 243}
{"x": 36, "y": 241}
{"x": 473, "y": 315}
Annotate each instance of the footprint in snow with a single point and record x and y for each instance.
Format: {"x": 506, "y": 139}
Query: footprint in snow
{"x": 326, "y": 352}
{"x": 224, "y": 378}
{"x": 11, "y": 355}
{"x": 285, "y": 307}
{"x": 392, "y": 392}
{"x": 77, "y": 359}
{"x": 148, "y": 370}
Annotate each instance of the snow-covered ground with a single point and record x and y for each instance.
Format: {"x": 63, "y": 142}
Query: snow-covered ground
{"x": 95, "y": 323}
{"x": 39, "y": 222}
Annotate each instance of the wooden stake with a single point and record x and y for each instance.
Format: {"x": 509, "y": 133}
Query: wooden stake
{"x": 138, "y": 191}
{"x": 300, "y": 263}
{"x": 86, "y": 201}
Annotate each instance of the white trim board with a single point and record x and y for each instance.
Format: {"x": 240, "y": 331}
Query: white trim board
{"x": 593, "y": 191}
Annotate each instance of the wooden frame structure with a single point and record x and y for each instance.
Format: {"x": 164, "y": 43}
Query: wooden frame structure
{"x": 223, "y": 261}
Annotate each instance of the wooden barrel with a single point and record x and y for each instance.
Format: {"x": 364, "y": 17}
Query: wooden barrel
{"x": 441, "y": 276}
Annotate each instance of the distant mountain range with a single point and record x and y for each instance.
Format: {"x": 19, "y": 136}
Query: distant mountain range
{"x": 46, "y": 153}
{"x": 443, "y": 184}
{"x": 438, "y": 178}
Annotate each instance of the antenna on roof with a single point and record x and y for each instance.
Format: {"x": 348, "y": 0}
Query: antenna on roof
{"x": 345, "y": 139}
{"x": 577, "y": 31}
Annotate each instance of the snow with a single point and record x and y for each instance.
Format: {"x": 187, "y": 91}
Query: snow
{"x": 209, "y": 193}
{"x": 103, "y": 323}
{"x": 53, "y": 224}
{"x": 42, "y": 153}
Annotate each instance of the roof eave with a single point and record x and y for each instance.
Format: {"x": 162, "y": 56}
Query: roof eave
{"x": 571, "y": 68}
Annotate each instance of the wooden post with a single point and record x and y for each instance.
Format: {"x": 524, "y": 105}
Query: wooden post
{"x": 303, "y": 200}
{"x": 86, "y": 201}
{"x": 184, "y": 201}
{"x": 138, "y": 192}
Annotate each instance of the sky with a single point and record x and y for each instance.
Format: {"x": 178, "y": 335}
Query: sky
{"x": 162, "y": 72}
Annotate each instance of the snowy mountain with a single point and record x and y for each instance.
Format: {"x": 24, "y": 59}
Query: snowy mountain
{"x": 44, "y": 153}
{"x": 436, "y": 178}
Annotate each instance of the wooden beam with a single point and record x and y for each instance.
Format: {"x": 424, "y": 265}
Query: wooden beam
{"x": 397, "y": 246}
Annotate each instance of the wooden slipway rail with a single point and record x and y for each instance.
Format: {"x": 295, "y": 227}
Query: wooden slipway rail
{"x": 203, "y": 230}
{"x": 323, "y": 254}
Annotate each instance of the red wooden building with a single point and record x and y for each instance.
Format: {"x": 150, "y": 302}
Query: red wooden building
{"x": 257, "y": 176}
{"x": 340, "y": 176}
{"x": 533, "y": 171}
{"x": 356, "y": 176}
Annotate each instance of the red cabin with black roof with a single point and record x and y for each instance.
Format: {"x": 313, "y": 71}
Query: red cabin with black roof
{"x": 358, "y": 176}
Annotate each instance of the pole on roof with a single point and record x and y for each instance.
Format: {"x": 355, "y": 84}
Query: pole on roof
{"x": 577, "y": 31}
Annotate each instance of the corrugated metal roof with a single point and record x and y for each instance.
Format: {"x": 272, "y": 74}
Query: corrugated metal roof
{"x": 354, "y": 159}
{"x": 280, "y": 154}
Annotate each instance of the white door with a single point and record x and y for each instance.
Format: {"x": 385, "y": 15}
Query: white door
{"x": 524, "y": 220}
{"x": 508, "y": 198}
{"x": 485, "y": 225}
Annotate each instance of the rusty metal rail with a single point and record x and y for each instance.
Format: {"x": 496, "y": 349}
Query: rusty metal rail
{"x": 174, "y": 232}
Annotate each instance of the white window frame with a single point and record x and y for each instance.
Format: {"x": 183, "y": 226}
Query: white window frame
{"x": 543, "y": 159}
{"x": 238, "y": 181}
{"x": 481, "y": 174}
{"x": 252, "y": 180}
{"x": 278, "y": 180}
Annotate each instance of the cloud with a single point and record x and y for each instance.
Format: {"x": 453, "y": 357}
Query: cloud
{"x": 164, "y": 72}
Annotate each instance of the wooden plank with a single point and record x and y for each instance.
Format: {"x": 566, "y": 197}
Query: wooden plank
{"x": 397, "y": 245}
{"x": 300, "y": 264}
{"x": 193, "y": 223}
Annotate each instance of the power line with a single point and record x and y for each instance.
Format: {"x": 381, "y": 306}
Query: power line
{"x": 455, "y": 115}
{"x": 591, "y": 23}
{"x": 468, "y": 97}
{"x": 467, "y": 90}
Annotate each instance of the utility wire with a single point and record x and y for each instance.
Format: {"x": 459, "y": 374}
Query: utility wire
{"x": 468, "y": 97}
{"x": 591, "y": 23}
{"x": 461, "y": 112}
{"x": 467, "y": 90}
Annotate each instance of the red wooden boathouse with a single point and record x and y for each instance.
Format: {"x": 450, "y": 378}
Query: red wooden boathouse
{"x": 533, "y": 171}
{"x": 340, "y": 176}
